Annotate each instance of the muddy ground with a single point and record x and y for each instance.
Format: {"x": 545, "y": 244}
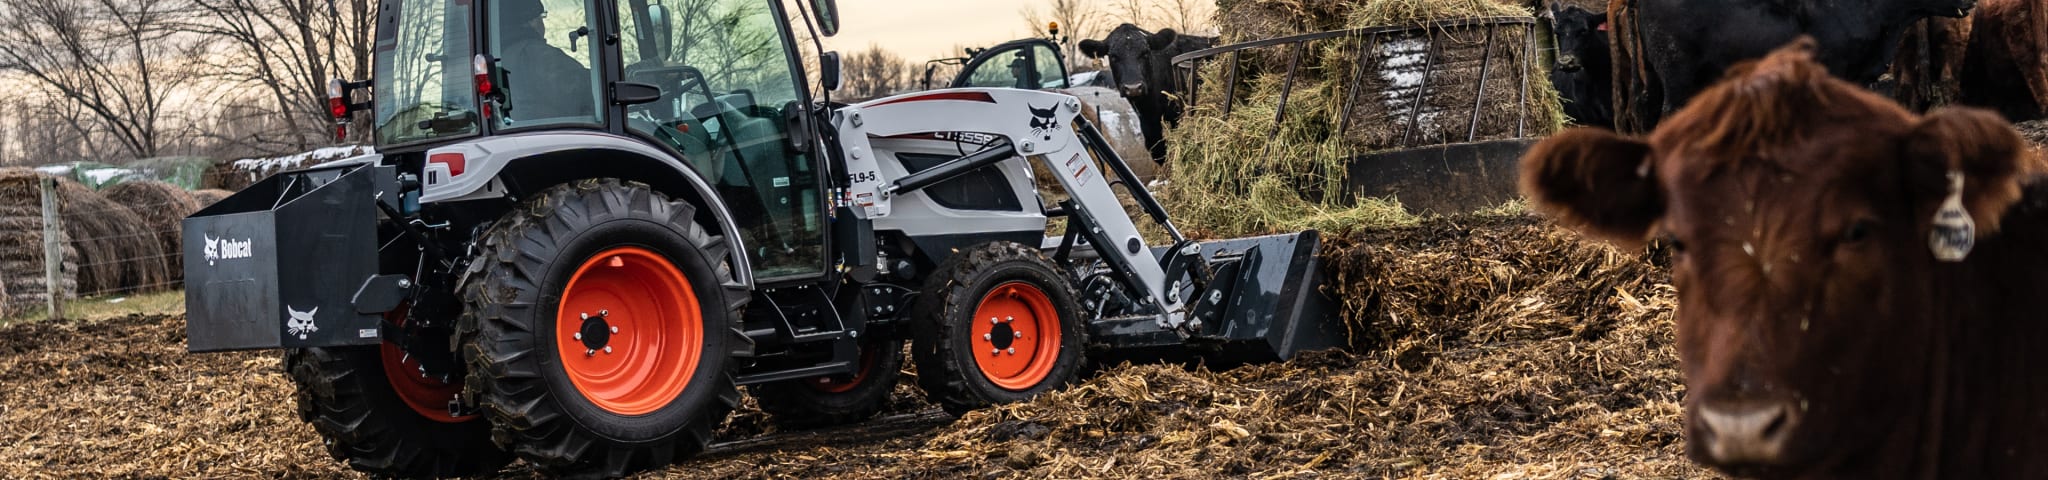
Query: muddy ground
{"x": 1483, "y": 347}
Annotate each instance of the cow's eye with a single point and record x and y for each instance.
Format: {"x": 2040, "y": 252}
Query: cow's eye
{"x": 1857, "y": 231}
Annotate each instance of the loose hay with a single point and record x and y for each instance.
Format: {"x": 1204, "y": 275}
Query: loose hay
{"x": 163, "y": 208}
{"x": 1244, "y": 174}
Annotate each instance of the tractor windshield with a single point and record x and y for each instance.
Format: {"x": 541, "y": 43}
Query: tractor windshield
{"x": 424, "y": 86}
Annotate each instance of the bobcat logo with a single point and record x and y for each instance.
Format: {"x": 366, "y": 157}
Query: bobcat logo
{"x": 301, "y": 323}
{"x": 1042, "y": 121}
{"x": 227, "y": 249}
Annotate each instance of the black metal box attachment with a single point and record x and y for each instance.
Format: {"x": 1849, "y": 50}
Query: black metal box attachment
{"x": 276, "y": 265}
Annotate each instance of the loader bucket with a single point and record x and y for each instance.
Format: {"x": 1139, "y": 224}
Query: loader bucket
{"x": 1266, "y": 304}
{"x": 277, "y": 264}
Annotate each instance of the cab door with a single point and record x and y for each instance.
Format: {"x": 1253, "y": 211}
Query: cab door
{"x": 731, "y": 89}
{"x": 1023, "y": 64}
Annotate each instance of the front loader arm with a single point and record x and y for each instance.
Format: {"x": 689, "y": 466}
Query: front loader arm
{"x": 1038, "y": 126}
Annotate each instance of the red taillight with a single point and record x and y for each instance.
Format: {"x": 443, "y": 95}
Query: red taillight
{"x": 337, "y": 99}
{"x": 454, "y": 161}
{"x": 482, "y": 69}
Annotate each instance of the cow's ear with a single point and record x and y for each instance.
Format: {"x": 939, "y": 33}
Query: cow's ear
{"x": 1983, "y": 148}
{"x": 1163, "y": 39}
{"x": 1092, "y": 48}
{"x": 1595, "y": 181}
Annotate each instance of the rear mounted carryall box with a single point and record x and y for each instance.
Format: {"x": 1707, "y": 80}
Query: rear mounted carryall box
{"x": 276, "y": 264}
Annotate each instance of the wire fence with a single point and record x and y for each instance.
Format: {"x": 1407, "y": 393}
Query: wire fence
{"x": 119, "y": 242}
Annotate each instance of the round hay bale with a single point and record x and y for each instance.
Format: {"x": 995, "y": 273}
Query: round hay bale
{"x": 117, "y": 251}
{"x": 208, "y": 197}
{"x": 21, "y": 243}
{"x": 163, "y": 208}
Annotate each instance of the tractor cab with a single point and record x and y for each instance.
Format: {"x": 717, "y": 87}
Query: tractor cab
{"x": 715, "y": 85}
{"x": 1028, "y": 64}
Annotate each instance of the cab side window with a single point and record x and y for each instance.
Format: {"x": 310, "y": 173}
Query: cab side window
{"x": 727, "y": 89}
{"x": 546, "y": 50}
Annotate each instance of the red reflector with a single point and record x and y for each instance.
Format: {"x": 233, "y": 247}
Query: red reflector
{"x": 454, "y": 161}
{"x": 338, "y": 107}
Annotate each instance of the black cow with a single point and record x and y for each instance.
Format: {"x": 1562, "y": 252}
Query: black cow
{"x": 1141, "y": 64}
{"x": 1686, "y": 44}
{"x": 1584, "y": 73}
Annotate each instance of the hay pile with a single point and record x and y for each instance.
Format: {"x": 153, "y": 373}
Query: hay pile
{"x": 208, "y": 197}
{"x": 163, "y": 208}
{"x": 21, "y": 243}
{"x": 2035, "y": 131}
{"x": 117, "y": 251}
{"x": 1289, "y": 176}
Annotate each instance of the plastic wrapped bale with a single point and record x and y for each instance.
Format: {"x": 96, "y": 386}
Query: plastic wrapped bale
{"x": 163, "y": 208}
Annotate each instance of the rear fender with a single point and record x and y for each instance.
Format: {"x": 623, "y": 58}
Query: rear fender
{"x": 524, "y": 164}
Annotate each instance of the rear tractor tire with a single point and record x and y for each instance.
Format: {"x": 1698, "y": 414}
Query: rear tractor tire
{"x": 374, "y": 411}
{"x": 828, "y": 401}
{"x": 601, "y": 329}
{"x": 996, "y": 324}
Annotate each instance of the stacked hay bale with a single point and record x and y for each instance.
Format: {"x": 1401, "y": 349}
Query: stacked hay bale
{"x": 208, "y": 197}
{"x": 117, "y": 251}
{"x": 1243, "y": 174}
{"x": 163, "y": 208}
{"x": 21, "y": 244}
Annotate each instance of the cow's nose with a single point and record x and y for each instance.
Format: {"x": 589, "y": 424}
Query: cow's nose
{"x": 1568, "y": 63}
{"x": 1746, "y": 433}
{"x": 1133, "y": 89}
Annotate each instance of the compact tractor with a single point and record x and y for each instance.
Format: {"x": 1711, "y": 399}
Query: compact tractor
{"x": 590, "y": 222}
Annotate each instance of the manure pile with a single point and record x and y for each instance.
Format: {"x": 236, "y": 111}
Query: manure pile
{"x": 1498, "y": 347}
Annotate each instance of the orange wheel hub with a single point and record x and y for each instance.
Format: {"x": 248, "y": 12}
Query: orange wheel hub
{"x": 1016, "y": 336}
{"x": 427, "y": 396}
{"x": 629, "y": 331}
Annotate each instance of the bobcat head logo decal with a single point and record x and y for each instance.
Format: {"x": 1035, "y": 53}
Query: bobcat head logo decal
{"x": 301, "y": 323}
{"x": 212, "y": 250}
{"x": 1042, "y": 121}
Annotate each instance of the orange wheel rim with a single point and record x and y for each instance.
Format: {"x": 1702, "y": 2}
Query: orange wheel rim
{"x": 1016, "y": 336}
{"x": 869, "y": 355}
{"x": 425, "y": 395}
{"x": 629, "y": 331}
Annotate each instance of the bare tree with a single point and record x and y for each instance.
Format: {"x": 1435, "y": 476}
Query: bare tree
{"x": 119, "y": 61}
{"x": 1185, "y": 16}
{"x": 1078, "y": 19}
{"x": 282, "y": 53}
{"x": 875, "y": 72}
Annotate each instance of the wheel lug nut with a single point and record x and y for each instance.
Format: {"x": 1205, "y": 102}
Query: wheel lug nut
{"x": 987, "y": 336}
{"x": 1009, "y": 319}
{"x": 587, "y": 353}
{"x": 994, "y": 320}
{"x": 579, "y": 335}
{"x": 995, "y": 351}
{"x": 615, "y": 329}
{"x": 607, "y": 349}
{"x": 586, "y": 316}
{"x": 1013, "y": 351}
{"x": 1017, "y": 334}
{"x": 604, "y": 313}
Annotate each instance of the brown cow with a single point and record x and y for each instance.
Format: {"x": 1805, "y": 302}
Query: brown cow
{"x": 2007, "y": 64}
{"x": 1838, "y": 317}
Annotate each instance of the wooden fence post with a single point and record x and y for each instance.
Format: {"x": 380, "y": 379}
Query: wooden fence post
{"x": 53, "y": 248}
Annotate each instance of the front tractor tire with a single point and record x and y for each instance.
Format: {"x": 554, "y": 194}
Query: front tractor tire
{"x": 601, "y": 329}
{"x": 996, "y": 323}
{"x": 374, "y": 410}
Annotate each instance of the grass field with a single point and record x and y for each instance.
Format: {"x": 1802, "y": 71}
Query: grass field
{"x": 170, "y": 302}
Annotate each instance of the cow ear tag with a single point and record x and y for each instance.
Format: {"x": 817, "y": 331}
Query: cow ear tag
{"x": 1955, "y": 233}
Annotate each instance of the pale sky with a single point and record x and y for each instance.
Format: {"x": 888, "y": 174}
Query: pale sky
{"x": 922, "y": 30}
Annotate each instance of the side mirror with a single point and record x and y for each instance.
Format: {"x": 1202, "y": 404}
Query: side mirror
{"x": 828, "y": 70}
{"x": 827, "y": 12}
{"x": 664, "y": 40}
